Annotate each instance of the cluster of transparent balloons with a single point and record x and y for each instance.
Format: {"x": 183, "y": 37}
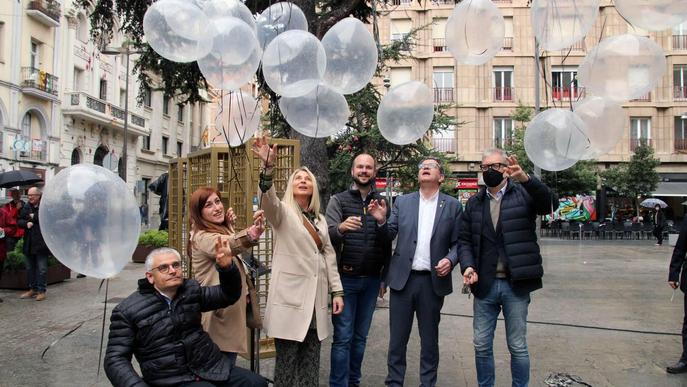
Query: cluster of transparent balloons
{"x": 310, "y": 75}
{"x": 618, "y": 69}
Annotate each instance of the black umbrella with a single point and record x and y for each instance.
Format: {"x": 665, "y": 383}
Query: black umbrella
{"x": 15, "y": 178}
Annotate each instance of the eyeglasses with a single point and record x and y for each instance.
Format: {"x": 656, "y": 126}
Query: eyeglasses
{"x": 164, "y": 269}
{"x": 495, "y": 166}
{"x": 428, "y": 165}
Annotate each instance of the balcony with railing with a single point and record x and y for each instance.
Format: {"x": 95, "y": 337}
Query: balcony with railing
{"x": 679, "y": 42}
{"x": 443, "y": 94}
{"x": 508, "y": 43}
{"x": 439, "y": 45}
{"x": 636, "y": 142}
{"x": 444, "y": 144}
{"x": 39, "y": 83}
{"x": 444, "y": 2}
{"x": 680, "y": 144}
{"x": 680, "y": 93}
{"x": 566, "y": 93}
{"x": 644, "y": 98}
{"x": 503, "y": 94}
{"x": 502, "y": 142}
{"x": 577, "y": 46}
{"x": 401, "y": 2}
{"x": 85, "y": 106}
{"x": 45, "y": 11}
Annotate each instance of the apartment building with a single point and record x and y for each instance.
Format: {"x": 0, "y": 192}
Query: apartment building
{"x": 484, "y": 97}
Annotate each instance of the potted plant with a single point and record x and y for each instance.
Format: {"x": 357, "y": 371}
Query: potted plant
{"x": 15, "y": 276}
{"x": 147, "y": 242}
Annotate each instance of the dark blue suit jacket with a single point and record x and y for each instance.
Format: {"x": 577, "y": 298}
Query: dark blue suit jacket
{"x": 403, "y": 224}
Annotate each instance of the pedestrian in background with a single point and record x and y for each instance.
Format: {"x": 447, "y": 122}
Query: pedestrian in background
{"x": 659, "y": 224}
{"x": 35, "y": 249}
{"x": 676, "y": 277}
{"x": 7, "y": 227}
{"x": 13, "y": 208}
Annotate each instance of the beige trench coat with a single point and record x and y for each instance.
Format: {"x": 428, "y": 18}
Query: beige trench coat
{"x": 226, "y": 327}
{"x": 302, "y": 277}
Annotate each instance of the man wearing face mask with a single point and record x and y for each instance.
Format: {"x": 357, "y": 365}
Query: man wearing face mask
{"x": 500, "y": 259}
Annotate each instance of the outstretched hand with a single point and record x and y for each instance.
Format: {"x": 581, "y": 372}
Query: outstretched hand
{"x": 258, "y": 226}
{"x": 267, "y": 155}
{"x": 514, "y": 170}
{"x": 223, "y": 255}
{"x": 378, "y": 209}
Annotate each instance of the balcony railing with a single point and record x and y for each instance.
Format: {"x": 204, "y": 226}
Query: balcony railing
{"x": 39, "y": 79}
{"x": 443, "y": 94}
{"x": 502, "y": 142}
{"x": 645, "y": 98}
{"x": 34, "y": 149}
{"x": 103, "y": 110}
{"x": 401, "y": 2}
{"x": 577, "y": 46}
{"x": 503, "y": 93}
{"x": 679, "y": 42}
{"x": 681, "y": 144}
{"x": 444, "y": 144}
{"x": 439, "y": 45}
{"x": 508, "y": 43}
{"x": 566, "y": 93}
{"x": 444, "y": 2}
{"x": 49, "y": 8}
{"x": 635, "y": 142}
{"x": 680, "y": 93}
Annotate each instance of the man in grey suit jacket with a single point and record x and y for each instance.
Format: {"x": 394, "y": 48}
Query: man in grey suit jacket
{"x": 419, "y": 272}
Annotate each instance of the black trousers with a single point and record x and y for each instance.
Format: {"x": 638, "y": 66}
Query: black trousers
{"x": 658, "y": 233}
{"x": 684, "y": 333}
{"x": 239, "y": 378}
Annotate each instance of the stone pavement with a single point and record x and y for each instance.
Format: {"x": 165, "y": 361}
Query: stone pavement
{"x": 596, "y": 296}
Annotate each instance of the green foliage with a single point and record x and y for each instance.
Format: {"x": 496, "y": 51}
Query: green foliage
{"x": 637, "y": 178}
{"x": 16, "y": 260}
{"x": 154, "y": 238}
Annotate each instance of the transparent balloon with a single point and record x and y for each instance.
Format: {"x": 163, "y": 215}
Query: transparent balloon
{"x": 321, "y": 113}
{"x": 234, "y": 58}
{"x": 406, "y": 112}
{"x": 189, "y": 42}
{"x": 622, "y": 67}
{"x": 90, "y": 220}
{"x": 555, "y": 139}
{"x": 557, "y": 24}
{"x": 278, "y": 18}
{"x": 238, "y": 117}
{"x": 351, "y": 56}
{"x": 217, "y": 10}
{"x": 294, "y": 63}
{"x": 653, "y": 15}
{"x": 475, "y": 31}
{"x": 604, "y": 122}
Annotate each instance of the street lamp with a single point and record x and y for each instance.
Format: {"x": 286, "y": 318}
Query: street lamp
{"x": 118, "y": 51}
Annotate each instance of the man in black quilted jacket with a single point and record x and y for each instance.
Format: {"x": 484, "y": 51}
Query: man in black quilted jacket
{"x": 160, "y": 325}
{"x": 500, "y": 259}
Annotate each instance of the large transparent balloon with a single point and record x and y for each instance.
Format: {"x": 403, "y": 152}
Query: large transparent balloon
{"x": 320, "y": 113}
{"x": 604, "y": 122}
{"x": 351, "y": 56}
{"x": 475, "y": 31}
{"x": 622, "y": 67}
{"x": 294, "y": 63}
{"x": 557, "y": 24}
{"x": 216, "y": 10}
{"x": 238, "y": 118}
{"x": 90, "y": 220}
{"x": 234, "y": 58}
{"x": 555, "y": 139}
{"x": 178, "y": 31}
{"x": 653, "y": 15}
{"x": 278, "y": 18}
{"x": 406, "y": 112}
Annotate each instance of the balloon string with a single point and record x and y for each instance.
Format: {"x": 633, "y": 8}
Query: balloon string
{"x": 102, "y": 328}
{"x": 59, "y": 339}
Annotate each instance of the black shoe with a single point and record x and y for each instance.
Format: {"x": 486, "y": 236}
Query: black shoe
{"x": 1, "y": 300}
{"x": 677, "y": 368}
{"x": 81, "y": 275}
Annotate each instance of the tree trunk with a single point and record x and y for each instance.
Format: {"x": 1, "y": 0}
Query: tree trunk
{"x": 314, "y": 156}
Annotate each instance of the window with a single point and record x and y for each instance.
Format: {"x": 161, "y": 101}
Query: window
{"x": 680, "y": 82}
{"x": 78, "y": 79}
{"x": 146, "y": 142}
{"x": 400, "y": 75}
{"x": 26, "y": 125}
{"x": 147, "y": 96}
{"x": 400, "y": 28}
{"x": 508, "y": 36}
{"x": 640, "y": 132}
{"x": 122, "y": 98}
{"x": 680, "y": 134}
{"x": 103, "y": 89}
{"x": 180, "y": 146}
{"x": 503, "y": 84}
{"x": 165, "y": 105}
{"x": 180, "y": 113}
{"x": 76, "y": 157}
{"x": 443, "y": 84}
{"x": 439, "y": 34}
{"x": 564, "y": 81}
{"x": 503, "y": 131}
{"x": 165, "y": 145}
{"x": 35, "y": 54}
{"x": 680, "y": 37}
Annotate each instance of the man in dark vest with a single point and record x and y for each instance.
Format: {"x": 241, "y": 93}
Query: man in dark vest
{"x": 361, "y": 254}
{"x": 500, "y": 259}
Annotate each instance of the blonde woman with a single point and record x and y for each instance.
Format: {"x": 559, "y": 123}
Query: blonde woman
{"x": 304, "y": 273}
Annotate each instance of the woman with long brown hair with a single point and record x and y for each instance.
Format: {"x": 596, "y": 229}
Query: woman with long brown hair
{"x": 212, "y": 229}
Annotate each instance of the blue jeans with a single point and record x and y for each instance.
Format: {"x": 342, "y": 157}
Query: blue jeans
{"x": 351, "y": 328}
{"x": 37, "y": 271}
{"x": 486, "y": 312}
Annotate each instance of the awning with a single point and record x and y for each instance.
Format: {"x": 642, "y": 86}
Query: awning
{"x": 670, "y": 189}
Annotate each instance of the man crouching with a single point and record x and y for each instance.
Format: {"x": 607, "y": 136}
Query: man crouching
{"x": 160, "y": 325}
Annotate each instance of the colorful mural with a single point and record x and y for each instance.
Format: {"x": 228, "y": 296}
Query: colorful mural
{"x": 578, "y": 208}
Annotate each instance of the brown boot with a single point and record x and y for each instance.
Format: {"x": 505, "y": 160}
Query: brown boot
{"x": 30, "y": 294}
{"x": 40, "y": 296}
